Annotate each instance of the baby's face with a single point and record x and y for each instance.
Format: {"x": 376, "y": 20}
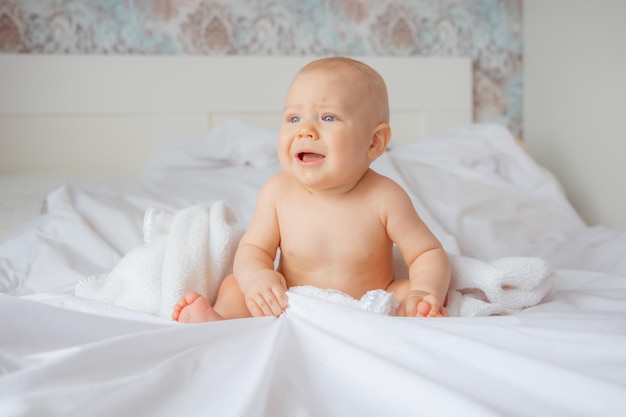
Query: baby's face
{"x": 326, "y": 131}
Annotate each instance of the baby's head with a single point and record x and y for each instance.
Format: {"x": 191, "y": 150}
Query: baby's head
{"x": 359, "y": 79}
{"x": 335, "y": 122}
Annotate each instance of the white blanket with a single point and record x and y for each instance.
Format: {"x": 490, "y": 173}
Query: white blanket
{"x": 194, "y": 250}
{"x": 482, "y": 196}
{"x": 563, "y": 358}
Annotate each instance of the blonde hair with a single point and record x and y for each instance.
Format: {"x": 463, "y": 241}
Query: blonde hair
{"x": 367, "y": 78}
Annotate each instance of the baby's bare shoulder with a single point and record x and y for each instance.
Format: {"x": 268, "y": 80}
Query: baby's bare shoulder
{"x": 386, "y": 186}
{"x": 280, "y": 188}
{"x": 276, "y": 183}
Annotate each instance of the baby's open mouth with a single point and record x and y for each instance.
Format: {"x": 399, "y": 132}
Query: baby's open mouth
{"x": 309, "y": 156}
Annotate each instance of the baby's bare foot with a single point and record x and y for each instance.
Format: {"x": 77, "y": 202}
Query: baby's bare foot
{"x": 194, "y": 308}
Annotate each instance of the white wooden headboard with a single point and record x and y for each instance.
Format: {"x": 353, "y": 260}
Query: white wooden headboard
{"x": 109, "y": 114}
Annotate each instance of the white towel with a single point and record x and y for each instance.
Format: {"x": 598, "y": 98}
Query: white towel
{"x": 477, "y": 288}
{"x": 376, "y": 301}
{"x": 502, "y": 286}
{"x": 191, "y": 250}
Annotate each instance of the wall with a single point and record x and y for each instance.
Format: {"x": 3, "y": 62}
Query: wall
{"x": 489, "y": 31}
{"x": 574, "y": 100}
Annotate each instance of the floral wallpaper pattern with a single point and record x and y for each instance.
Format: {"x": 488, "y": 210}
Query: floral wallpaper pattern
{"x": 489, "y": 31}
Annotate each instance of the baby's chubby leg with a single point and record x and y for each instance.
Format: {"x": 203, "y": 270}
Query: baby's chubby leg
{"x": 230, "y": 304}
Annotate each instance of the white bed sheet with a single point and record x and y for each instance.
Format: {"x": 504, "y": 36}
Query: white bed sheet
{"x": 479, "y": 192}
{"x": 22, "y": 197}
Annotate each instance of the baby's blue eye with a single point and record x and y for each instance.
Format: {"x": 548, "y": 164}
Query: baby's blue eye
{"x": 294, "y": 119}
{"x": 328, "y": 118}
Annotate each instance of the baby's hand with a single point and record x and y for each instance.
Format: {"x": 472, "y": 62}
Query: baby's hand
{"x": 420, "y": 304}
{"x": 266, "y": 295}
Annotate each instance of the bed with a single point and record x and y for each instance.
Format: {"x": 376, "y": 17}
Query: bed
{"x": 89, "y": 144}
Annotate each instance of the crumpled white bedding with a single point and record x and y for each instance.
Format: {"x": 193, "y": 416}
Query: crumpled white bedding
{"x": 190, "y": 250}
{"x": 482, "y": 196}
{"x": 22, "y": 197}
{"x": 562, "y": 358}
{"x": 193, "y": 250}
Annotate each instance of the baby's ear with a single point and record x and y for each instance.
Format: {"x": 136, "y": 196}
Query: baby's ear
{"x": 380, "y": 140}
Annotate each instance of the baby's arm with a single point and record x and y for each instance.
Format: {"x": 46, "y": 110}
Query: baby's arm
{"x": 429, "y": 276}
{"x": 429, "y": 269}
{"x": 262, "y": 286}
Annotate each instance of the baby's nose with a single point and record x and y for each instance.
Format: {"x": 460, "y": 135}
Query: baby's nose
{"x": 307, "y": 132}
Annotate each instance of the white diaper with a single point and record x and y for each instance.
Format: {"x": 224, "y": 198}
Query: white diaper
{"x": 376, "y": 301}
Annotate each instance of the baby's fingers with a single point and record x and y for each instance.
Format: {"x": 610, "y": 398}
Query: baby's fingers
{"x": 424, "y": 309}
{"x": 417, "y": 306}
{"x": 408, "y": 307}
{"x": 281, "y": 297}
{"x": 266, "y": 304}
{"x": 432, "y": 308}
{"x": 259, "y": 307}
{"x": 253, "y": 308}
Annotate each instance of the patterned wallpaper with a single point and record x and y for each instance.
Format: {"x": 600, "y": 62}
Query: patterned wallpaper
{"x": 489, "y": 31}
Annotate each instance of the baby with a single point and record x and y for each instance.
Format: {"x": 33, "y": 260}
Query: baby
{"x": 333, "y": 218}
